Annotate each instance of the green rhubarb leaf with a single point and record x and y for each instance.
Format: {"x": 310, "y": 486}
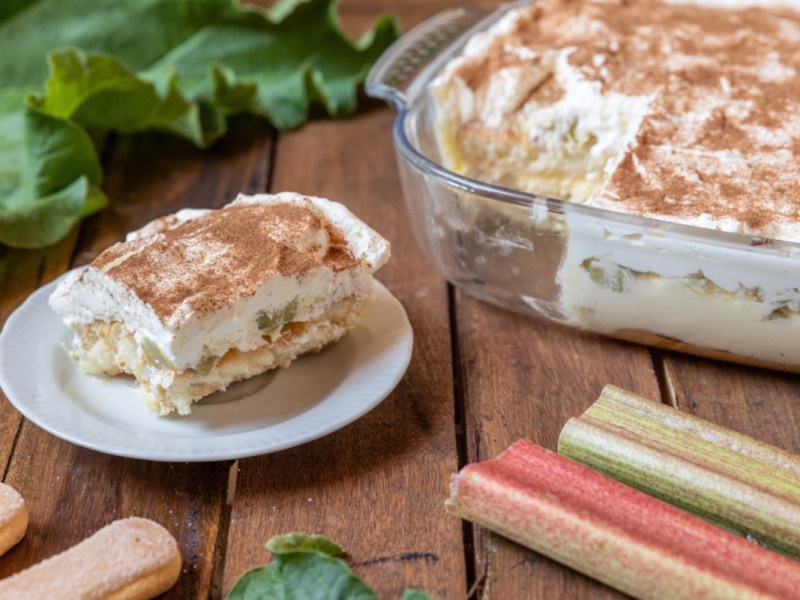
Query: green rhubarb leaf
{"x": 309, "y": 58}
{"x": 138, "y": 33}
{"x": 11, "y": 7}
{"x": 78, "y": 66}
{"x": 57, "y": 153}
{"x": 411, "y": 594}
{"x": 99, "y": 91}
{"x": 303, "y": 566}
{"x": 54, "y": 181}
{"x": 12, "y": 139}
{"x": 303, "y": 542}
{"x": 306, "y": 566}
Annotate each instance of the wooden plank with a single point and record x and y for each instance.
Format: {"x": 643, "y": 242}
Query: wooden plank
{"x": 72, "y": 491}
{"x": 378, "y": 486}
{"x": 523, "y": 378}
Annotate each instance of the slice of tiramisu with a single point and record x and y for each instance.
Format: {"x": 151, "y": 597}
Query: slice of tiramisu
{"x": 197, "y": 300}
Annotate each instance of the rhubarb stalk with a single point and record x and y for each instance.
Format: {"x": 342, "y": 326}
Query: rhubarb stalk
{"x": 723, "y": 476}
{"x": 612, "y": 532}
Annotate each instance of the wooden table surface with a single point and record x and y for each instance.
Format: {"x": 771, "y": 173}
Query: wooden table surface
{"x": 480, "y": 378}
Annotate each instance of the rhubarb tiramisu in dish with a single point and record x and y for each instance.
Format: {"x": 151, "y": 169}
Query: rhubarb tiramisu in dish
{"x": 197, "y": 300}
{"x": 661, "y": 139}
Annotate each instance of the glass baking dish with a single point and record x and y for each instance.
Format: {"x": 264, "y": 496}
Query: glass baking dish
{"x": 721, "y": 295}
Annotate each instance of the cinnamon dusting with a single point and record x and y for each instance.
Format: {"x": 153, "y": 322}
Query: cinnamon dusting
{"x": 207, "y": 263}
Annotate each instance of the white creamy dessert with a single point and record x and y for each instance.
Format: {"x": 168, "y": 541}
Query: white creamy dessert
{"x": 197, "y": 300}
{"x": 683, "y": 111}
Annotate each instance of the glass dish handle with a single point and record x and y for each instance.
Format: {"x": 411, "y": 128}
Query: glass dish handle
{"x": 393, "y": 75}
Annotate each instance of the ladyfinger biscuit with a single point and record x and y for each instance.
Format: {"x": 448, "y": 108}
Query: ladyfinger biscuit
{"x": 130, "y": 559}
{"x": 13, "y": 517}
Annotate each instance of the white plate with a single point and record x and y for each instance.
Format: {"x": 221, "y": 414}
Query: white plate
{"x": 315, "y": 396}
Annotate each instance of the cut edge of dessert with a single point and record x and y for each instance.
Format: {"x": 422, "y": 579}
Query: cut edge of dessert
{"x": 195, "y": 301}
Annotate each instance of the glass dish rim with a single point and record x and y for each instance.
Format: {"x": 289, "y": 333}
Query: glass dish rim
{"x": 406, "y": 106}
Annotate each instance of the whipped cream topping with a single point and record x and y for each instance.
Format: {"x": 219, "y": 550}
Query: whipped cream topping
{"x": 682, "y": 110}
{"x": 194, "y": 283}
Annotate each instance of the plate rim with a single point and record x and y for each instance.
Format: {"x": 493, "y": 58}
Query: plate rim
{"x": 402, "y": 345}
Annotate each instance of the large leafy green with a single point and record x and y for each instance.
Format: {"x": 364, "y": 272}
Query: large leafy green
{"x": 178, "y": 66}
{"x": 306, "y": 567}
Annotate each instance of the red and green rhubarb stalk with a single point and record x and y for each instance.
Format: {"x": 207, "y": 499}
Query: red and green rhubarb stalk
{"x": 723, "y": 476}
{"x": 612, "y": 532}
